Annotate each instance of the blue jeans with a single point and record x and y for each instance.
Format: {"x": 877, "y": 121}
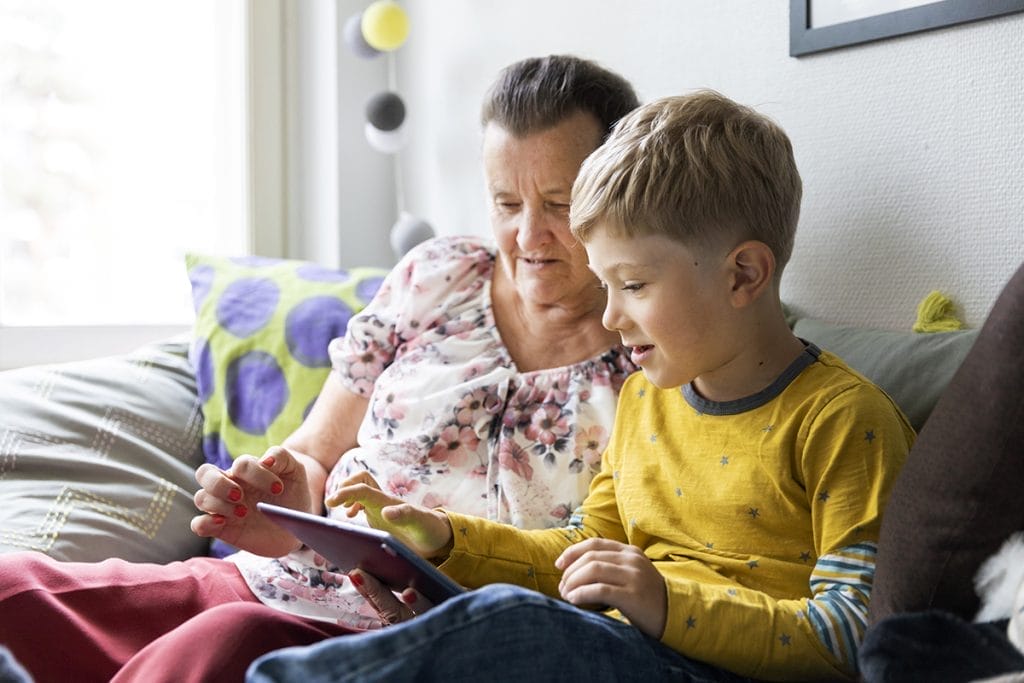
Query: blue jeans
{"x": 496, "y": 633}
{"x": 936, "y": 646}
{"x": 10, "y": 670}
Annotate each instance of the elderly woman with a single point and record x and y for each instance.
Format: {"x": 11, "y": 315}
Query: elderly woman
{"x": 480, "y": 379}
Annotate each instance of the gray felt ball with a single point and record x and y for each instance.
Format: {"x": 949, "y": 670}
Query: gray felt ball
{"x": 407, "y": 232}
{"x": 385, "y": 111}
{"x": 352, "y": 34}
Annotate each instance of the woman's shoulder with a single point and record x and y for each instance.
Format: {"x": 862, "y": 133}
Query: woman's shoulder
{"x": 434, "y": 271}
{"x": 452, "y": 248}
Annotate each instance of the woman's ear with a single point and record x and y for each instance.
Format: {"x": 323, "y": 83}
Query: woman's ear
{"x": 752, "y": 271}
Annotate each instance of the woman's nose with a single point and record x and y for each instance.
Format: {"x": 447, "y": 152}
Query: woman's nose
{"x": 534, "y": 230}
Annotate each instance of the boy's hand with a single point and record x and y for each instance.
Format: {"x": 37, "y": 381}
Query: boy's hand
{"x": 228, "y": 500}
{"x": 428, "y": 532}
{"x": 600, "y": 571}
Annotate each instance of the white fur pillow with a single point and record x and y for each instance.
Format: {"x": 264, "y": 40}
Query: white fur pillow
{"x": 1000, "y": 585}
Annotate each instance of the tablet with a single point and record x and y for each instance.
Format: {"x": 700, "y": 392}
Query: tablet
{"x": 376, "y": 552}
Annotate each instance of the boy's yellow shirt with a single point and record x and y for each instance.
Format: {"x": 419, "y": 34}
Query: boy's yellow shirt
{"x": 762, "y": 515}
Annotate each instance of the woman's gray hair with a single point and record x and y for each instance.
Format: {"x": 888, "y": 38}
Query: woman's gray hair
{"x": 537, "y": 93}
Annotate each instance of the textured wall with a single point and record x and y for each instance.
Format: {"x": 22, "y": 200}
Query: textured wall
{"x": 911, "y": 149}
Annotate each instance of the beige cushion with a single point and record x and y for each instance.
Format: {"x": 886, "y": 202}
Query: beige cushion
{"x": 97, "y": 458}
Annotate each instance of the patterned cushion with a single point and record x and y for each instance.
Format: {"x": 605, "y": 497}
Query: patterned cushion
{"x": 97, "y": 458}
{"x": 260, "y": 344}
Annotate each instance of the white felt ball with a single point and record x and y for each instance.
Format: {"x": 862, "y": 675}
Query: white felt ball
{"x": 386, "y": 141}
{"x": 407, "y": 232}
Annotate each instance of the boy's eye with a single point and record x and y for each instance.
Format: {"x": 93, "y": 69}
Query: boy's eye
{"x": 632, "y": 286}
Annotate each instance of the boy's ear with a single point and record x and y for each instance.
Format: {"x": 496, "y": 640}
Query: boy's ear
{"x": 752, "y": 271}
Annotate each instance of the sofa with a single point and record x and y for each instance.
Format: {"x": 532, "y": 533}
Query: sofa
{"x": 97, "y": 457}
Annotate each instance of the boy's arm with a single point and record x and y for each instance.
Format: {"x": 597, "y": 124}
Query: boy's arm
{"x": 851, "y": 455}
{"x": 485, "y": 551}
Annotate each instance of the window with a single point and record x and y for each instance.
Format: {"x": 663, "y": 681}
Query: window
{"x": 123, "y": 144}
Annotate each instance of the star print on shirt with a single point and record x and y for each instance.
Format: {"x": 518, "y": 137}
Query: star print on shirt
{"x": 823, "y": 496}
{"x": 530, "y": 572}
{"x": 464, "y": 531}
{"x": 753, "y": 564}
{"x": 654, "y": 438}
{"x": 679, "y": 491}
{"x": 805, "y": 556}
{"x": 768, "y": 428}
{"x": 691, "y": 622}
{"x": 724, "y": 461}
{"x": 754, "y": 513}
{"x": 869, "y": 435}
{"x": 641, "y": 393}
{"x": 784, "y": 639}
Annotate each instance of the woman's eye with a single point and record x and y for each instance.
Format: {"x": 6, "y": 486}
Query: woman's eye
{"x": 632, "y": 286}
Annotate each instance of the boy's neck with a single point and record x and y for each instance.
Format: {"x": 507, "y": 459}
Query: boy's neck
{"x": 769, "y": 348}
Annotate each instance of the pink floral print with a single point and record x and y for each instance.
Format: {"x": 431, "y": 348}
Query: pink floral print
{"x": 452, "y": 421}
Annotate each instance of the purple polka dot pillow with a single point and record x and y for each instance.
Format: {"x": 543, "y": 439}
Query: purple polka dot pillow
{"x": 260, "y": 343}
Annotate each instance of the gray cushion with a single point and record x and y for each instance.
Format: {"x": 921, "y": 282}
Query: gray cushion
{"x": 911, "y": 367}
{"x": 97, "y": 457}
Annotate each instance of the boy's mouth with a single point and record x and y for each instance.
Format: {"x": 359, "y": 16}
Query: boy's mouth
{"x": 639, "y": 353}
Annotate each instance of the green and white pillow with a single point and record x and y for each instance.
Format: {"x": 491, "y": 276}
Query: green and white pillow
{"x": 260, "y": 344}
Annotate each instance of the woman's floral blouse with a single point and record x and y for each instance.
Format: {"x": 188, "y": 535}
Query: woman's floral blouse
{"x": 451, "y": 421}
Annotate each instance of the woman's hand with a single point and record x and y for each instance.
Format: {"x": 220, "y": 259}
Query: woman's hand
{"x": 391, "y": 609}
{"x": 600, "y": 571}
{"x": 228, "y": 500}
{"x": 427, "y": 532}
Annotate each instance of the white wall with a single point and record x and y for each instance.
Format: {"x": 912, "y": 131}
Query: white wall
{"x": 911, "y": 149}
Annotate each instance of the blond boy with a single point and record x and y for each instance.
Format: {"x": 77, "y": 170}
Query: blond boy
{"x": 731, "y": 531}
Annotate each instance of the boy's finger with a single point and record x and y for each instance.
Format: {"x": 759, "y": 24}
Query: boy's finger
{"x": 577, "y": 550}
{"x": 361, "y": 477}
{"x": 361, "y": 493}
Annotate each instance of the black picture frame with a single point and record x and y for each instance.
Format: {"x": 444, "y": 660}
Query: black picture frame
{"x": 804, "y": 40}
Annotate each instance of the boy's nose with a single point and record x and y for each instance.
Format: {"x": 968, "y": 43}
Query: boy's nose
{"x": 612, "y": 318}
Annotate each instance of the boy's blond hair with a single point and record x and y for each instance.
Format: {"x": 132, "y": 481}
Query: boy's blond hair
{"x": 698, "y": 168}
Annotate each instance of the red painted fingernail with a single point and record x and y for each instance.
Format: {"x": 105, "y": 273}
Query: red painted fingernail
{"x": 408, "y": 599}
{"x": 219, "y": 519}
{"x": 269, "y": 461}
{"x": 356, "y": 579}
{"x": 241, "y": 511}
{"x": 276, "y": 487}
{"x": 234, "y": 495}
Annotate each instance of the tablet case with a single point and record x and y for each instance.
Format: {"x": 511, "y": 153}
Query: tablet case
{"x": 376, "y": 552}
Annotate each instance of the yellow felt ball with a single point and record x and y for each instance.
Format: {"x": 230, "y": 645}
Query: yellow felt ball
{"x": 385, "y": 25}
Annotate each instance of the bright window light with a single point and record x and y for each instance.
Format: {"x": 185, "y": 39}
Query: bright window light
{"x": 122, "y": 146}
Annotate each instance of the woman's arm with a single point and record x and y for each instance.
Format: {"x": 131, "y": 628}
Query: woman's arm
{"x": 327, "y": 433}
{"x": 292, "y": 475}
